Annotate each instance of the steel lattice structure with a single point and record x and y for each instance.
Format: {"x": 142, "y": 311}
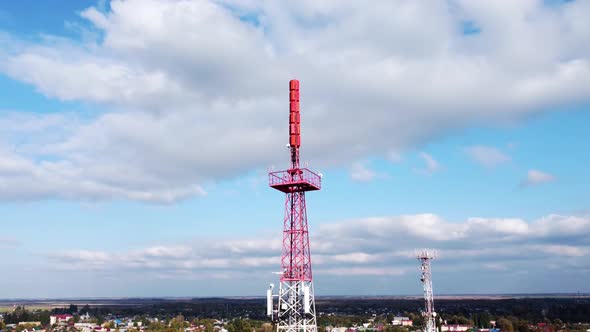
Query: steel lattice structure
{"x": 425, "y": 256}
{"x": 296, "y": 305}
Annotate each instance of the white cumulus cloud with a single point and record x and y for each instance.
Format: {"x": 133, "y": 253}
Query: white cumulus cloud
{"x": 535, "y": 177}
{"x": 487, "y": 156}
{"x": 431, "y": 164}
{"x": 362, "y": 173}
{"x": 190, "y": 92}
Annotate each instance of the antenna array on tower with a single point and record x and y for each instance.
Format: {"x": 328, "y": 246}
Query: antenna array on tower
{"x": 425, "y": 256}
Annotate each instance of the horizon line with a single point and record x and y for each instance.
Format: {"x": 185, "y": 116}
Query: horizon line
{"x": 419, "y": 296}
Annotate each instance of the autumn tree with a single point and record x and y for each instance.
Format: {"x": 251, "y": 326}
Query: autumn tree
{"x": 505, "y": 325}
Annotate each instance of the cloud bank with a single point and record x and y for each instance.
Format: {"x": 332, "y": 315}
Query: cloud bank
{"x": 361, "y": 249}
{"x": 195, "y": 91}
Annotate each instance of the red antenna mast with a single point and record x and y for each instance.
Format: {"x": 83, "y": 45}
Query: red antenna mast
{"x": 296, "y": 306}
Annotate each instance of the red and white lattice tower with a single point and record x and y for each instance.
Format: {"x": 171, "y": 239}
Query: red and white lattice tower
{"x": 425, "y": 256}
{"x": 296, "y": 305}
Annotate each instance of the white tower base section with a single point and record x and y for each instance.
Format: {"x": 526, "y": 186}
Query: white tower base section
{"x": 296, "y": 307}
{"x": 269, "y": 302}
{"x": 425, "y": 256}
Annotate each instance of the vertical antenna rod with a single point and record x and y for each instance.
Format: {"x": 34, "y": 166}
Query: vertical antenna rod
{"x": 296, "y": 305}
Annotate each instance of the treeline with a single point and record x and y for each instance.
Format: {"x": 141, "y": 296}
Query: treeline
{"x": 250, "y": 313}
{"x": 179, "y": 323}
{"x": 536, "y": 310}
{"x": 359, "y": 320}
{"x": 569, "y": 310}
{"x": 476, "y": 320}
{"x": 20, "y": 314}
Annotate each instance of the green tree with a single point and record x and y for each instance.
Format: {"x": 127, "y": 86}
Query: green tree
{"x": 209, "y": 326}
{"x": 239, "y": 325}
{"x": 44, "y": 317}
{"x": 481, "y": 320}
{"x": 156, "y": 326}
{"x": 22, "y": 327}
{"x": 144, "y": 321}
{"x": 266, "y": 327}
{"x": 99, "y": 319}
{"x": 73, "y": 309}
{"x": 522, "y": 326}
{"x": 485, "y": 319}
{"x": 390, "y": 328}
{"x": 417, "y": 319}
{"x": 459, "y": 319}
{"x": 505, "y": 325}
{"x": 177, "y": 322}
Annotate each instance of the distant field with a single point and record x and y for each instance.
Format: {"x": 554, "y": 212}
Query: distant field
{"x": 8, "y": 308}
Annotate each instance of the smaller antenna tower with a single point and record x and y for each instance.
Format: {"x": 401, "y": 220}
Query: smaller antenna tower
{"x": 425, "y": 256}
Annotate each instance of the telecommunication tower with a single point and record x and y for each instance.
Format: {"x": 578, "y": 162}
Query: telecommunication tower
{"x": 295, "y": 311}
{"x": 425, "y": 256}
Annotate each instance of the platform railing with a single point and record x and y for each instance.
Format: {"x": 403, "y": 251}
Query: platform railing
{"x": 295, "y": 176}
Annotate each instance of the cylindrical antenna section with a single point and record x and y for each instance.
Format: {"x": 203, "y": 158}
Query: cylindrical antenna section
{"x": 269, "y": 305}
{"x": 294, "y": 117}
{"x": 306, "y": 306}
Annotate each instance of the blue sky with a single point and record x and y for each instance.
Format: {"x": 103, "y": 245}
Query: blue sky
{"x": 135, "y": 138}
